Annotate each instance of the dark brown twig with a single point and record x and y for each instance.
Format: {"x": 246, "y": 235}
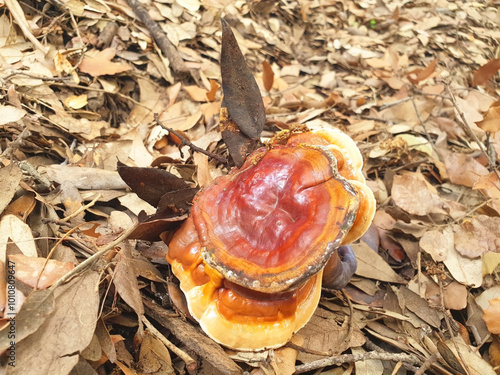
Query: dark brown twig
{"x": 168, "y": 49}
{"x": 188, "y": 143}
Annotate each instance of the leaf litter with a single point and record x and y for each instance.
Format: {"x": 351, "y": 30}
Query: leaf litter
{"x": 415, "y": 85}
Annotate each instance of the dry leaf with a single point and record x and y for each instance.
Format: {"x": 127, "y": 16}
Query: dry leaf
{"x": 486, "y": 72}
{"x": 9, "y": 180}
{"x": 267, "y": 75}
{"x": 13, "y": 229}
{"x": 214, "y": 86}
{"x": 76, "y": 101}
{"x": 491, "y": 122}
{"x": 477, "y": 235}
{"x": 9, "y": 113}
{"x": 54, "y": 348}
{"x": 325, "y": 335}
{"x": 369, "y": 367}
{"x": 415, "y": 195}
{"x": 420, "y": 74}
{"x": 487, "y": 181}
{"x": 373, "y": 266}
{"x": 98, "y": 63}
{"x": 125, "y": 280}
{"x": 438, "y": 243}
{"x": 28, "y": 270}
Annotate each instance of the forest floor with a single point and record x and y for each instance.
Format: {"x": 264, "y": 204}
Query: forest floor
{"x": 85, "y": 87}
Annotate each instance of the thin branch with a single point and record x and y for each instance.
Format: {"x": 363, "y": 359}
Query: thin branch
{"x": 166, "y": 46}
{"x": 188, "y": 143}
{"x": 188, "y": 360}
{"x": 425, "y": 129}
{"x": 90, "y": 261}
{"x": 350, "y": 358}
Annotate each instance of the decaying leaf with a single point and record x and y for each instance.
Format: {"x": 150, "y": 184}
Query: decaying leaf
{"x": 241, "y": 92}
{"x": 477, "y": 235}
{"x": 415, "y": 195}
{"x": 125, "y": 280}
{"x": 322, "y": 335}
{"x": 55, "y": 346}
{"x": 29, "y": 270}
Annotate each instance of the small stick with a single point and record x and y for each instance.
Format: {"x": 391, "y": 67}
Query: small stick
{"x": 349, "y": 358}
{"x": 81, "y": 209}
{"x": 425, "y": 129}
{"x": 166, "y": 46}
{"x": 427, "y": 364}
{"x": 188, "y": 360}
{"x": 188, "y": 143}
{"x": 91, "y": 260}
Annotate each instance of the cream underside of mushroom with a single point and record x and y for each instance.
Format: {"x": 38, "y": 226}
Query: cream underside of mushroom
{"x": 258, "y": 336}
{"x": 238, "y": 335}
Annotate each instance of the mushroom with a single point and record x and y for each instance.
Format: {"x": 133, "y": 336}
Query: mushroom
{"x": 251, "y": 257}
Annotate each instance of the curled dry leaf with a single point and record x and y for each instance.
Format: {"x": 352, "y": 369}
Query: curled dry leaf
{"x": 28, "y": 270}
{"x": 420, "y": 74}
{"x": 491, "y": 122}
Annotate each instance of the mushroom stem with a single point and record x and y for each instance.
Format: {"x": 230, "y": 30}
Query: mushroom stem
{"x": 340, "y": 268}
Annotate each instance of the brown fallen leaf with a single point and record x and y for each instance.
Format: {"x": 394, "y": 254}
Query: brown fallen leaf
{"x": 416, "y": 196}
{"x": 267, "y": 75}
{"x": 154, "y": 357}
{"x": 418, "y": 75}
{"x": 323, "y": 335}
{"x": 98, "y": 63}
{"x": 125, "y": 280}
{"x": 28, "y": 270}
{"x": 13, "y": 229}
{"x": 54, "y": 347}
{"x": 487, "y": 181}
{"x": 373, "y": 266}
{"x": 477, "y": 235}
{"x": 486, "y": 72}
{"x": 214, "y": 86}
{"x": 9, "y": 180}
{"x": 491, "y": 122}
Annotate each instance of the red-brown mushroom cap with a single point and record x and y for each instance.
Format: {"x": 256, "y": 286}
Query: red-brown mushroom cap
{"x": 276, "y": 221}
{"x": 251, "y": 257}
{"x": 349, "y": 166}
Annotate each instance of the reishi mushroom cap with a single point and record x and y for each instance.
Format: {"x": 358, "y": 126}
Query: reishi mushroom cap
{"x": 251, "y": 257}
{"x": 276, "y": 221}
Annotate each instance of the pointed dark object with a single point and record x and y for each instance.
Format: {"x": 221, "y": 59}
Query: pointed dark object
{"x": 241, "y": 92}
{"x": 150, "y": 184}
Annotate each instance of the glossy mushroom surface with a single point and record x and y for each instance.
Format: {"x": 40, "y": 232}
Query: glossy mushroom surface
{"x": 250, "y": 258}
